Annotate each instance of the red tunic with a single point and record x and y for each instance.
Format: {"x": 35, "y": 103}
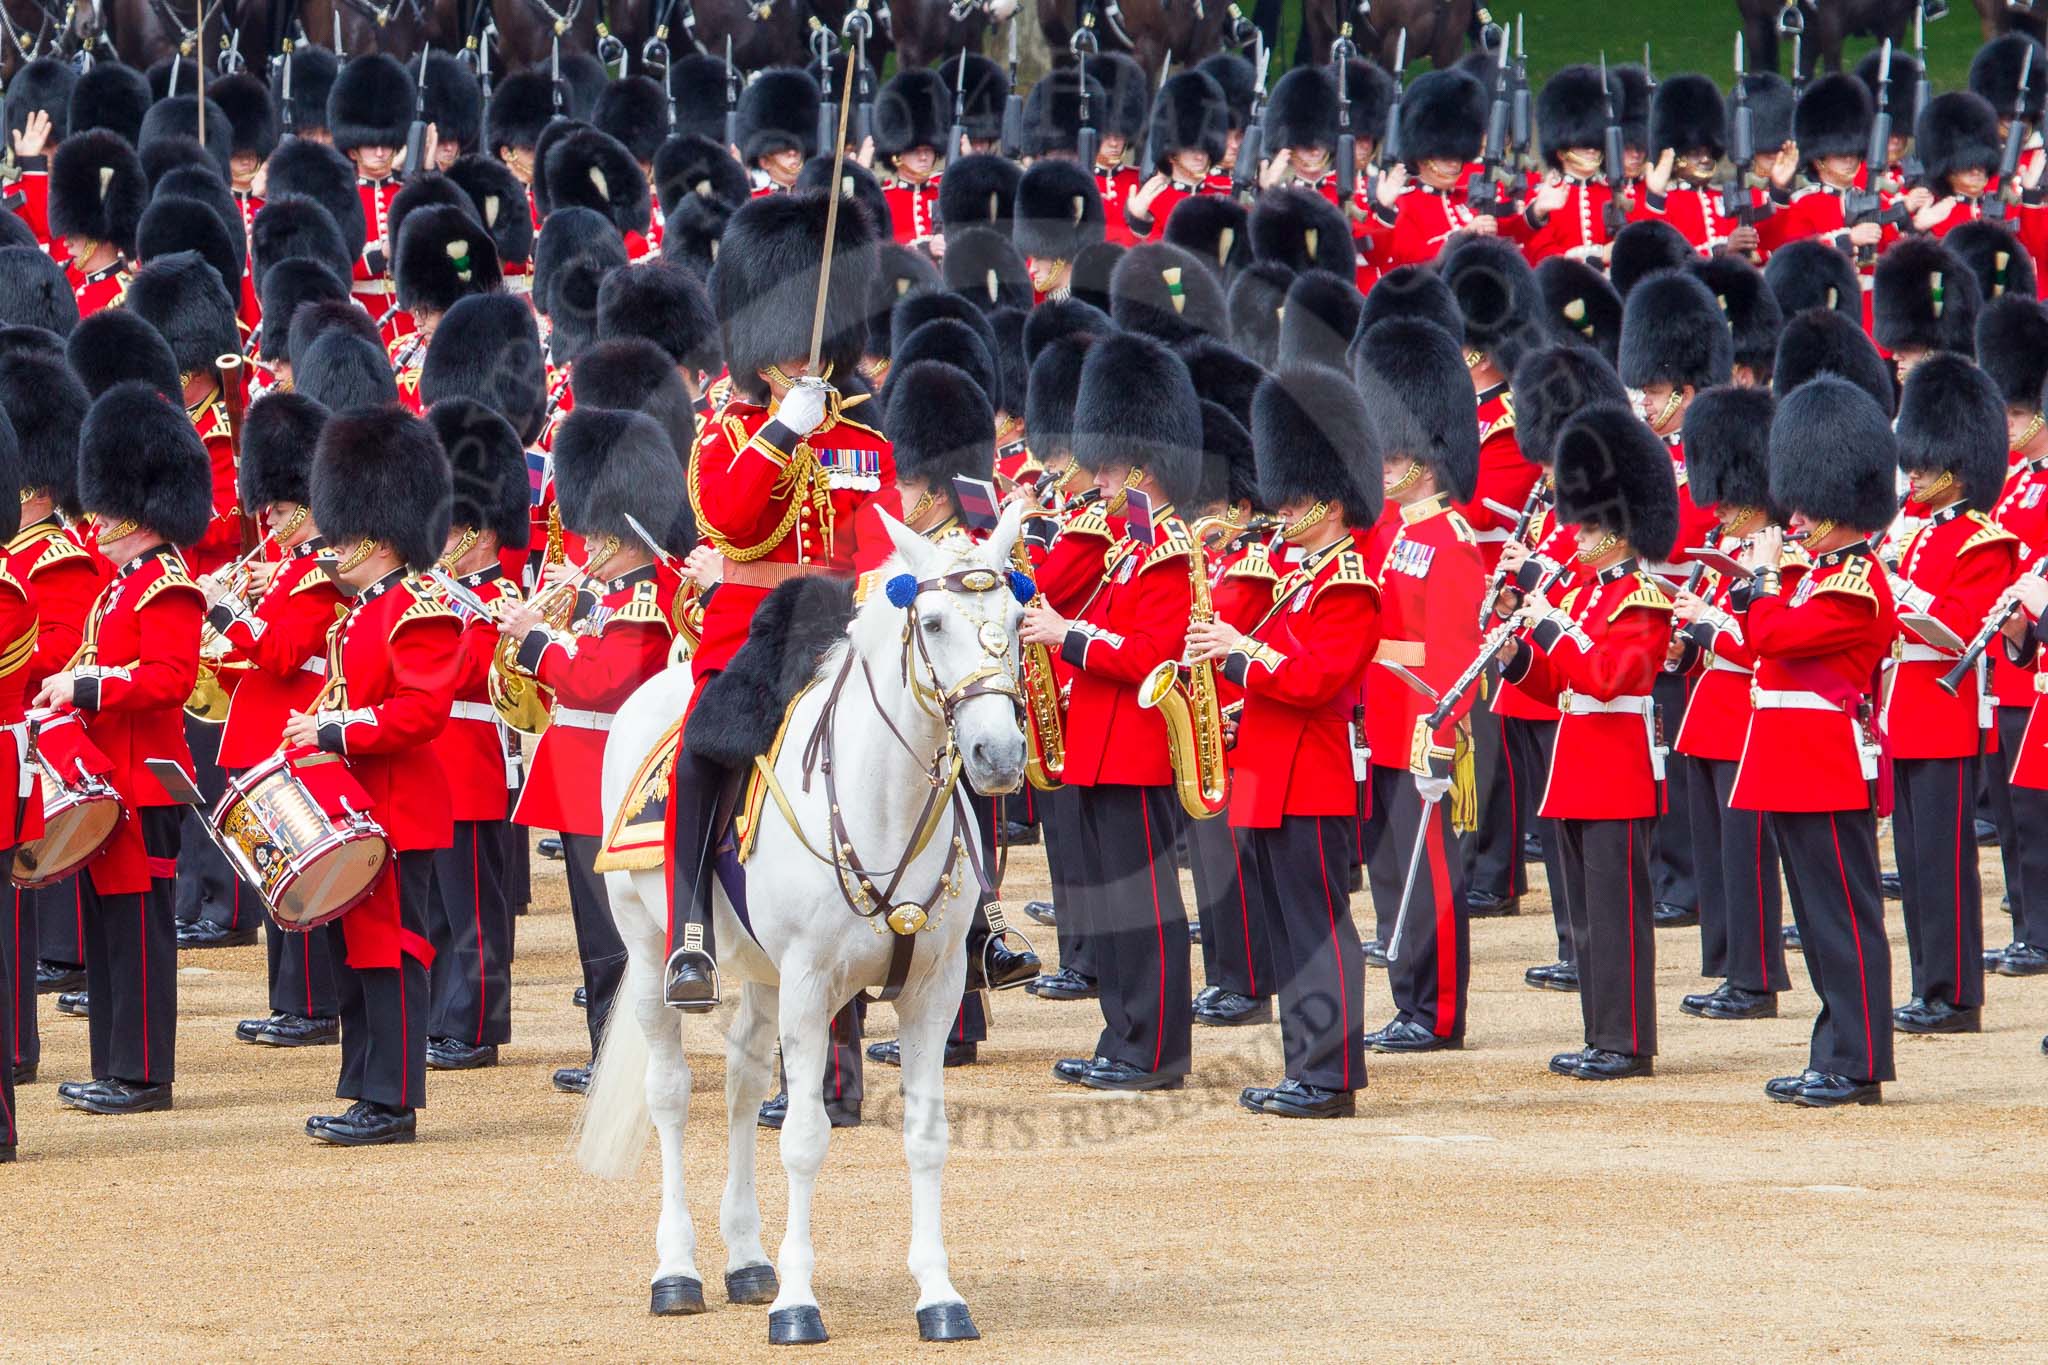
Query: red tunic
{"x": 1954, "y": 568}
{"x": 1307, "y": 654}
{"x": 1505, "y": 477}
{"x": 222, "y": 542}
{"x": 1128, "y": 608}
{"x": 472, "y": 749}
{"x": 1595, "y": 656}
{"x": 1424, "y": 218}
{"x": 29, "y": 198}
{"x": 768, "y": 502}
{"x": 136, "y": 666}
{"x": 1553, "y": 544}
{"x": 1818, "y": 648}
{"x": 1578, "y": 227}
{"x": 103, "y": 288}
{"x": 591, "y": 671}
{"x": 1695, "y": 211}
{"x": 2022, "y": 510}
{"x": 408, "y": 354}
{"x": 20, "y": 815}
{"x": 64, "y": 581}
{"x": 1116, "y": 186}
{"x": 1430, "y": 581}
{"x": 1717, "y": 712}
{"x": 283, "y": 638}
{"x": 913, "y": 209}
{"x": 370, "y": 281}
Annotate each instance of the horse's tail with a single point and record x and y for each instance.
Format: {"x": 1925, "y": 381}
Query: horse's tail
{"x": 612, "y": 1131}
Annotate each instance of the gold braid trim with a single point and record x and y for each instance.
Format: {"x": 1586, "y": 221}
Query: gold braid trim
{"x": 802, "y": 481}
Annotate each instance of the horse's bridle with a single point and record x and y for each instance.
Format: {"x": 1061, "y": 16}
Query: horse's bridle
{"x": 382, "y": 15}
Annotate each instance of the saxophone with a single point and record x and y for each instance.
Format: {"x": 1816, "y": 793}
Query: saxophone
{"x": 1194, "y": 718}
{"x": 515, "y": 696}
{"x": 1046, "y": 758}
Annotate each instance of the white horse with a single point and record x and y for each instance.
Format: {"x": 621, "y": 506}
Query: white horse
{"x": 920, "y": 689}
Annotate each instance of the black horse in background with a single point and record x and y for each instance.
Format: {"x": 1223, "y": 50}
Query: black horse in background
{"x": 1828, "y": 24}
{"x": 1437, "y": 29}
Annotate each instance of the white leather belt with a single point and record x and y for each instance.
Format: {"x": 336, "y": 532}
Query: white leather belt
{"x": 1492, "y": 535}
{"x": 316, "y": 666}
{"x": 473, "y": 710}
{"x": 1913, "y": 652}
{"x": 1576, "y": 705}
{"x": 581, "y": 720}
{"x": 1769, "y": 699}
{"x": 2041, "y": 683}
{"x": 1721, "y": 665}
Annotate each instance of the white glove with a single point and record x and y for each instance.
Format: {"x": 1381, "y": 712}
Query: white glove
{"x": 803, "y": 407}
{"x": 1433, "y": 789}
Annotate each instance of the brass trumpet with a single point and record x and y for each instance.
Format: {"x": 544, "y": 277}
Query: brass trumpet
{"x": 209, "y": 700}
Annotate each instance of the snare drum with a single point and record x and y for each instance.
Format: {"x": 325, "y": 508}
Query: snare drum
{"x": 80, "y": 810}
{"x": 309, "y": 866}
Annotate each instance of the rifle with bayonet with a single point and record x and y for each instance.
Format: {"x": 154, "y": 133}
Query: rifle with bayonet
{"x": 1251, "y": 147}
{"x": 1086, "y": 140}
{"x": 957, "y": 134}
{"x": 732, "y": 97}
{"x": 859, "y": 26}
{"x": 416, "y": 135}
{"x": 1013, "y": 104}
{"x": 1735, "y": 195}
{"x": 1342, "y": 52}
{"x": 1614, "y": 156}
{"x": 1867, "y": 204}
{"x": 2016, "y": 132}
{"x": 824, "y": 46}
{"x": 1390, "y": 145}
{"x": 1519, "y": 133}
{"x": 1491, "y": 194}
{"x": 287, "y": 121}
{"x": 1915, "y": 169}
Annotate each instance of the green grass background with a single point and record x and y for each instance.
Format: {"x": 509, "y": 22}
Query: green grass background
{"x": 1685, "y": 35}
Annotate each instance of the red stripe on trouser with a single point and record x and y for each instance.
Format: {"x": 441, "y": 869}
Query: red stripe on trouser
{"x": 1635, "y": 1039}
{"x": 142, "y": 956}
{"x": 1507, "y": 762}
{"x": 1763, "y": 952}
{"x": 1158, "y": 928}
{"x": 404, "y": 1040}
{"x": 1961, "y": 768}
{"x": 1343, "y": 988}
{"x": 1855, "y": 932}
{"x": 1447, "y": 1020}
{"x": 476, "y": 886}
{"x": 17, "y": 980}
{"x": 78, "y": 913}
{"x": 1244, "y": 915}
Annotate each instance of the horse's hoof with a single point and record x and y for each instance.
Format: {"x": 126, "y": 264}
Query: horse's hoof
{"x": 946, "y": 1322}
{"x": 799, "y": 1326}
{"x": 676, "y": 1296}
{"x": 752, "y": 1284}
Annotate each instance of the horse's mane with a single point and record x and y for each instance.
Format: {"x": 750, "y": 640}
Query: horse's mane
{"x": 736, "y": 715}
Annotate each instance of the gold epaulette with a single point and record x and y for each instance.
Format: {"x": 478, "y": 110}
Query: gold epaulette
{"x": 1093, "y": 521}
{"x": 1794, "y": 557}
{"x": 1461, "y": 527}
{"x": 719, "y": 393}
{"x": 58, "y": 548}
{"x": 1504, "y": 422}
{"x": 1647, "y": 592}
{"x": 1853, "y": 579}
{"x": 643, "y": 608}
{"x": 426, "y": 606}
{"x": 1350, "y": 574}
{"x": 1257, "y": 562}
{"x": 312, "y": 580}
{"x": 1988, "y": 532}
{"x": 173, "y": 578}
{"x": 1172, "y": 547}
{"x": 845, "y": 421}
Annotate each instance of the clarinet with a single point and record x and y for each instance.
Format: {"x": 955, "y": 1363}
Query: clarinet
{"x": 1488, "y": 647}
{"x": 1951, "y": 682}
{"x": 1532, "y": 507}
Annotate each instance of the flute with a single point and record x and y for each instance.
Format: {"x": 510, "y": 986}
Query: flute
{"x": 1951, "y": 682}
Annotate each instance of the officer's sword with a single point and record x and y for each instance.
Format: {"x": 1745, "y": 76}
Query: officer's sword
{"x": 448, "y": 583}
{"x": 831, "y": 226}
{"x": 1393, "y": 947}
{"x": 652, "y": 544}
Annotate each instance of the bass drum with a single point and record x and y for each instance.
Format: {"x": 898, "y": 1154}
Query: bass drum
{"x": 309, "y": 866}
{"x": 80, "y": 810}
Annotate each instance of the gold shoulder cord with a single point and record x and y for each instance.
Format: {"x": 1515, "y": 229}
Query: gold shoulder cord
{"x": 800, "y": 482}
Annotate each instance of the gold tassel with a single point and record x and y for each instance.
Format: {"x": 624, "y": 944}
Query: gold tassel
{"x": 1464, "y": 783}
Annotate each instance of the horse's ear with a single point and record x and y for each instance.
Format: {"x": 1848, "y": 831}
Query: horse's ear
{"x": 1003, "y": 539}
{"x": 913, "y": 549}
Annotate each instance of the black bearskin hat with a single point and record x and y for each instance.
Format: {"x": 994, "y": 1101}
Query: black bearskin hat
{"x": 443, "y": 254}
{"x": 1055, "y": 386}
{"x": 696, "y": 166}
{"x": 371, "y": 103}
{"x": 1420, "y": 399}
{"x": 293, "y": 227}
{"x": 1643, "y": 248}
{"x": 323, "y": 317}
{"x": 1443, "y": 118}
{"x": 500, "y": 204}
{"x": 1580, "y": 304}
{"x": 1061, "y": 317}
{"x": 1257, "y": 298}
{"x": 1995, "y": 75}
{"x": 1923, "y": 298}
{"x": 1239, "y": 83}
{"x": 1833, "y": 118}
{"x": 1223, "y": 374}
{"x": 279, "y": 435}
{"x": 1728, "y": 448}
{"x": 1057, "y": 211}
{"x": 1302, "y": 111}
{"x": 610, "y": 465}
{"x": 962, "y": 348}
{"x": 34, "y": 291}
{"x": 1900, "y": 99}
{"x": 1991, "y": 253}
{"x": 97, "y": 190}
{"x": 1318, "y": 319}
{"x": 913, "y": 110}
{"x": 423, "y": 191}
{"x": 1012, "y": 375}
{"x": 314, "y": 70}
{"x": 577, "y": 246}
{"x": 1052, "y": 112}
{"x": 183, "y": 297}
{"x": 778, "y": 111}
{"x": 289, "y": 285}
{"x": 634, "y": 111}
{"x": 487, "y": 471}
{"x": 857, "y": 185}
{"x": 915, "y": 310}
{"x": 1820, "y": 341}
{"x": 690, "y": 235}
{"x": 1215, "y": 228}
{"x": 2012, "y": 346}
{"x": 1571, "y": 111}
{"x": 1130, "y": 96}
{"x": 342, "y": 370}
{"x": 47, "y": 404}
{"x": 43, "y": 84}
{"x": 1137, "y": 406}
{"x": 766, "y": 278}
{"x": 1497, "y": 296}
{"x": 1230, "y": 473}
{"x": 110, "y": 96}
{"x": 522, "y": 104}
{"x": 698, "y": 83}
{"x": 1754, "y": 318}
{"x": 1957, "y": 132}
{"x": 1551, "y": 386}
{"x": 941, "y": 425}
{"x": 980, "y": 190}
{"x": 1833, "y": 455}
{"x": 173, "y": 224}
{"x": 115, "y": 346}
{"x": 1688, "y": 113}
{"x": 200, "y": 184}
{"x": 1612, "y": 472}
{"x": 632, "y": 374}
{"x": 985, "y": 266}
{"x": 1093, "y": 272}
{"x": 1313, "y": 439}
{"x": 664, "y": 304}
{"x": 1770, "y": 110}
{"x": 252, "y": 114}
{"x": 1413, "y": 291}
{"x": 1812, "y": 274}
{"x": 1168, "y": 293}
{"x": 1632, "y": 104}
{"x": 593, "y": 170}
{"x": 988, "y": 91}
{"x": 1303, "y": 231}
{"x": 1190, "y": 114}
{"x": 488, "y": 348}
{"x": 174, "y": 122}
{"x": 454, "y": 104}
{"x": 1951, "y": 417}
{"x": 899, "y": 273}
{"x": 380, "y": 474}
{"x": 1674, "y": 332}
{"x": 302, "y": 166}
{"x": 140, "y": 460}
